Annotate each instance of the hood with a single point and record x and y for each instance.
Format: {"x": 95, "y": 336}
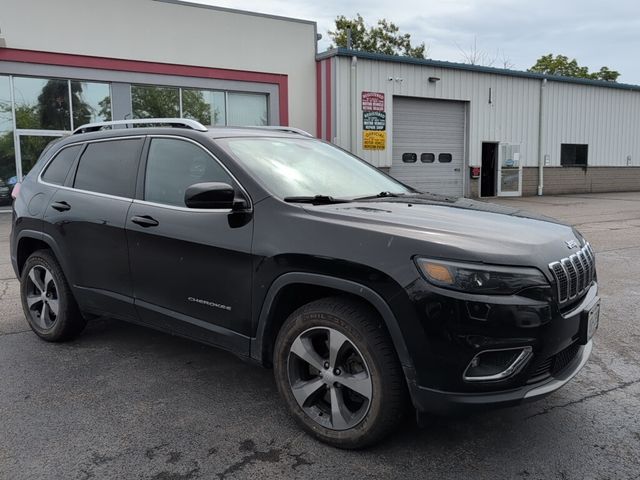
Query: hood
{"x": 460, "y": 228}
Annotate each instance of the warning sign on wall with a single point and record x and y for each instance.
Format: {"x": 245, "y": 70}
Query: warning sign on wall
{"x": 372, "y": 101}
{"x": 374, "y": 121}
{"x": 374, "y": 140}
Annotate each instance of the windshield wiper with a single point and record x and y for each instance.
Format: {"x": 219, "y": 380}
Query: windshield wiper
{"x": 315, "y": 199}
{"x": 381, "y": 195}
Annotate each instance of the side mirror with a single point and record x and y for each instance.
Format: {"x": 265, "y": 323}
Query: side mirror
{"x": 210, "y": 195}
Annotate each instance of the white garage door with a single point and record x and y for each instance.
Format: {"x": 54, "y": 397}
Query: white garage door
{"x": 428, "y": 144}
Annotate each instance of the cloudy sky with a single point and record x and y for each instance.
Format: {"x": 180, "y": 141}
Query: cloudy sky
{"x": 596, "y": 33}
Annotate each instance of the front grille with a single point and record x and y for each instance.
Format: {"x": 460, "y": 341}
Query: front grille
{"x": 574, "y": 274}
{"x": 554, "y": 364}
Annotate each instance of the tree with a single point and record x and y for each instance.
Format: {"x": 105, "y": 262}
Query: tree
{"x": 475, "y": 55}
{"x": 384, "y": 37}
{"x": 561, "y": 65}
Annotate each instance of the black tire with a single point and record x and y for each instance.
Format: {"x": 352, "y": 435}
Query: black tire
{"x": 67, "y": 321}
{"x": 366, "y": 337}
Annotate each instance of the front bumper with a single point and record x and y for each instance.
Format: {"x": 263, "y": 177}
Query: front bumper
{"x": 435, "y": 401}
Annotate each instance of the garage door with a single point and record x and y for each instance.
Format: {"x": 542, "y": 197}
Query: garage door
{"x": 428, "y": 144}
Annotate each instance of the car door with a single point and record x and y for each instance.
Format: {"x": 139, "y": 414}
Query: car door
{"x": 190, "y": 267}
{"x": 86, "y": 218}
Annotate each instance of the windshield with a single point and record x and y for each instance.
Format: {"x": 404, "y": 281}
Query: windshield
{"x": 292, "y": 167}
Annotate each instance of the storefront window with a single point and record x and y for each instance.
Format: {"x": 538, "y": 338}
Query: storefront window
{"x": 205, "y": 106}
{"x": 155, "y": 102}
{"x": 247, "y": 109}
{"x": 7, "y": 151}
{"x": 42, "y": 103}
{"x": 91, "y": 102}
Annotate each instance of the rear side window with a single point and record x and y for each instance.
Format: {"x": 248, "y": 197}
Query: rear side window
{"x": 174, "y": 165}
{"x": 59, "y": 167}
{"x": 109, "y": 167}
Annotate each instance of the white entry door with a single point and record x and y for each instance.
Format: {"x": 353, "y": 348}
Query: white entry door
{"x": 509, "y": 170}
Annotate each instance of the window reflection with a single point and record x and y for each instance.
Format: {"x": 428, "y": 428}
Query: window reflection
{"x": 91, "y": 102}
{"x": 155, "y": 102}
{"x": 205, "y": 106}
{"x": 42, "y": 103}
{"x": 247, "y": 109}
{"x": 7, "y": 152}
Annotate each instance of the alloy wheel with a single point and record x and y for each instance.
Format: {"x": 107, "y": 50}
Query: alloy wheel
{"x": 42, "y": 297}
{"x": 329, "y": 378}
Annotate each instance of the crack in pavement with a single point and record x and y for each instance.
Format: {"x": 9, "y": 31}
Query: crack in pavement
{"x": 584, "y": 399}
{"x": 14, "y": 333}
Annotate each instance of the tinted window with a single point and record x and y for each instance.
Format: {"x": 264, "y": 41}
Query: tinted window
{"x": 572, "y": 154}
{"x": 109, "y": 167}
{"x": 427, "y": 158}
{"x": 58, "y": 169}
{"x": 174, "y": 165}
{"x": 409, "y": 157}
{"x": 444, "y": 158}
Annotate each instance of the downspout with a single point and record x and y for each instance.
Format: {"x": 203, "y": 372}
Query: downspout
{"x": 354, "y": 105}
{"x": 543, "y": 85}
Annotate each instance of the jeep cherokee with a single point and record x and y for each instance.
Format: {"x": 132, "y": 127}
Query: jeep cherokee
{"x": 360, "y": 292}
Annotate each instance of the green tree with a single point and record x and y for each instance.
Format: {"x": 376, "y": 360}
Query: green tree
{"x": 561, "y": 65}
{"x": 384, "y": 37}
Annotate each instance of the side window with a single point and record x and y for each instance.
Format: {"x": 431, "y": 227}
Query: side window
{"x": 110, "y": 167}
{"x": 427, "y": 158}
{"x": 59, "y": 167}
{"x": 445, "y": 158}
{"x": 409, "y": 157}
{"x": 573, "y": 155}
{"x": 174, "y": 165}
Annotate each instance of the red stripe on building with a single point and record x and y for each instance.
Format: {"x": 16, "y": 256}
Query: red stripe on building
{"x": 84, "y": 61}
{"x": 319, "y": 99}
{"x": 328, "y": 100}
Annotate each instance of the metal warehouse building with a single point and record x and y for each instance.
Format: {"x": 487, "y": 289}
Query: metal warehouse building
{"x": 443, "y": 127}
{"x": 477, "y": 131}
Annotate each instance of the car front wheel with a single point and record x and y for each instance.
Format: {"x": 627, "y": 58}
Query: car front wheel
{"x": 338, "y": 373}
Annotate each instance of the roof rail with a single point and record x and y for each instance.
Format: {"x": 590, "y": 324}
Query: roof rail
{"x": 169, "y": 122}
{"x": 299, "y": 131}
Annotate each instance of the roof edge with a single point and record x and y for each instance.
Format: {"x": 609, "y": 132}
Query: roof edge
{"x": 187, "y": 3}
{"x": 345, "y": 52}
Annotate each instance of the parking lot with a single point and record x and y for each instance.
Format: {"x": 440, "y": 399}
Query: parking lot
{"x": 122, "y": 401}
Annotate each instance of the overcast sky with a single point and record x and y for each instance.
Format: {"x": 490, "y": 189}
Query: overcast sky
{"x": 596, "y": 33}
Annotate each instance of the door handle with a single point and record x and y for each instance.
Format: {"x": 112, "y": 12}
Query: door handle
{"x": 145, "y": 221}
{"x": 61, "y": 206}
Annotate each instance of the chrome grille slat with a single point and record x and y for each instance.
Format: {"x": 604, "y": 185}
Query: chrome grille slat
{"x": 574, "y": 274}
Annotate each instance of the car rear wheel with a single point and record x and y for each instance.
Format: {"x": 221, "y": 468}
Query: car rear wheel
{"x": 47, "y": 301}
{"x": 337, "y": 371}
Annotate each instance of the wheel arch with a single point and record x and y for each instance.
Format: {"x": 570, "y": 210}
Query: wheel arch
{"x": 29, "y": 241}
{"x": 323, "y": 285}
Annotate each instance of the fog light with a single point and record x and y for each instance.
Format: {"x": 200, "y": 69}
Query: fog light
{"x": 492, "y": 365}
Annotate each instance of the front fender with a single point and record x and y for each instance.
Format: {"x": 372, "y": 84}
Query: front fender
{"x": 259, "y": 343}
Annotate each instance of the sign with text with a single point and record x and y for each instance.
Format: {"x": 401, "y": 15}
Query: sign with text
{"x": 373, "y": 101}
{"x": 374, "y": 121}
{"x": 374, "y": 140}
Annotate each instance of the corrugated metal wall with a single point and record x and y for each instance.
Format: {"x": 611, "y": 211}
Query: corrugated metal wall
{"x": 501, "y": 108}
{"x": 606, "y": 119}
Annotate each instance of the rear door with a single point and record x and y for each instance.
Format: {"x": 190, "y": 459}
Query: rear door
{"x": 86, "y": 218}
{"x": 190, "y": 267}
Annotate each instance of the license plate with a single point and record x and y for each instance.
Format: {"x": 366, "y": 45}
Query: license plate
{"x": 593, "y": 319}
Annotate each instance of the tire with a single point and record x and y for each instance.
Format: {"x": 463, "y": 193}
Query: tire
{"x": 351, "y": 398}
{"x": 47, "y": 301}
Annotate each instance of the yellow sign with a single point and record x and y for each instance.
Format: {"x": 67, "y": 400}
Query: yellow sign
{"x": 374, "y": 140}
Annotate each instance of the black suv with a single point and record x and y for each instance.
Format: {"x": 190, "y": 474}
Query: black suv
{"x": 359, "y": 291}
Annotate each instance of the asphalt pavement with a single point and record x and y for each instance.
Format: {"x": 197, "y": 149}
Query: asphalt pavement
{"x": 125, "y": 402}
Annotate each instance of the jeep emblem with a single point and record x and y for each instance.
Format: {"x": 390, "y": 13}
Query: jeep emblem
{"x": 571, "y": 244}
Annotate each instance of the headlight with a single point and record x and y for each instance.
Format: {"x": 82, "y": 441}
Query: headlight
{"x": 476, "y": 278}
